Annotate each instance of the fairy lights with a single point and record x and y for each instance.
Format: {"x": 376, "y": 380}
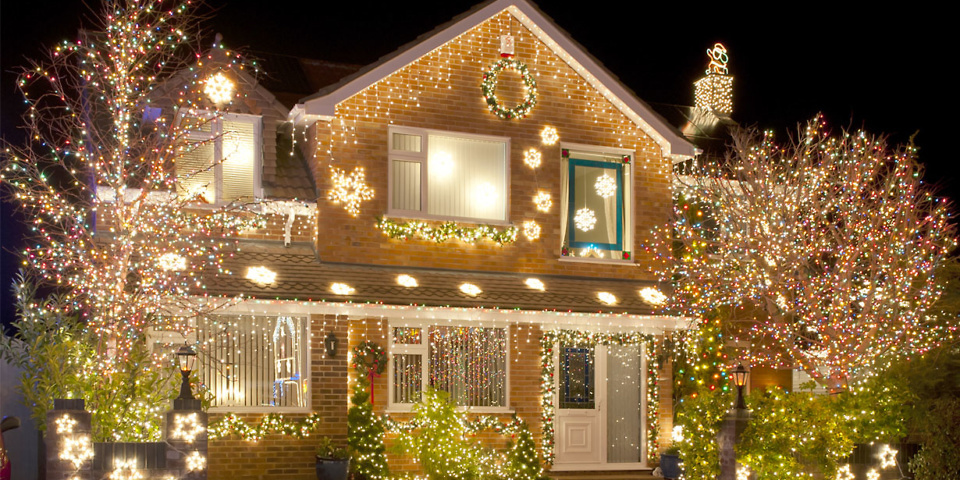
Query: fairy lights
{"x": 186, "y": 427}
{"x": 543, "y": 201}
{"x": 349, "y": 190}
{"x": 585, "y": 219}
{"x": 887, "y": 457}
{"x": 77, "y": 449}
{"x": 273, "y": 423}
{"x": 446, "y": 231}
{"x": 549, "y": 135}
{"x": 532, "y": 157}
{"x": 125, "y": 469}
{"x": 470, "y": 289}
{"x": 531, "y": 230}
{"x": 218, "y": 88}
{"x": 405, "y": 280}
{"x": 606, "y": 186}
{"x": 844, "y": 473}
{"x": 867, "y": 247}
{"x": 261, "y": 275}
{"x": 342, "y": 289}
{"x": 65, "y": 424}
{"x": 195, "y": 462}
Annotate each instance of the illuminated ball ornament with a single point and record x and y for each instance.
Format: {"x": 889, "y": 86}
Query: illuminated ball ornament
{"x": 218, "y": 88}
{"x": 543, "y": 201}
{"x": 349, "y": 190}
{"x": 470, "y": 289}
{"x": 489, "y": 87}
{"x": 652, "y": 296}
{"x": 549, "y": 136}
{"x": 606, "y": 186}
{"x": 532, "y": 158}
{"x": 531, "y": 230}
{"x": 585, "y": 219}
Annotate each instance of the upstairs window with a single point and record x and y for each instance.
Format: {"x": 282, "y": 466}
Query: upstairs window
{"x": 448, "y": 175}
{"x": 221, "y": 162}
{"x": 595, "y": 204}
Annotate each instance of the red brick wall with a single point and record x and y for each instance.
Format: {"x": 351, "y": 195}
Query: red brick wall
{"x": 446, "y": 87}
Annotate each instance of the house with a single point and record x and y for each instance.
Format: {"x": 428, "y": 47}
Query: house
{"x": 474, "y": 204}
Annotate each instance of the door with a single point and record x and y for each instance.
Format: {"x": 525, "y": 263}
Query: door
{"x": 599, "y": 412}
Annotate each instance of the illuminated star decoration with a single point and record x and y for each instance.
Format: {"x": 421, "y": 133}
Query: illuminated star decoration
{"x": 350, "y": 189}
{"x": 543, "y": 201}
{"x": 125, "y": 470}
{"x": 873, "y": 474}
{"x": 77, "y": 450}
{"x": 532, "y": 158}
{"x": 531, "y": 230}
{"x": 887, "y": 457}
{"x": 195, "y": 461}
{"x": 218, "y": 88}
{"x": 844, "y": 473}
{"x": 606, "y": 186}
{"x": 186, "y": 427}
{"x": 585, "y": 219}
{"x": 65, "y": 424}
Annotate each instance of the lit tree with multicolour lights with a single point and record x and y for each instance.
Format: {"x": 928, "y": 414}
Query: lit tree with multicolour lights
{"x": 98, "y": 176}
{"x": 823, "y": 251}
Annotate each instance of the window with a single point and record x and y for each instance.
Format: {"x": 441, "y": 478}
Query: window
{"x": 222, "y": 160}
{"x": 258, "y": 362}
{"x": 470, "y": 363}
{"x": 596, "y": 204}
{"x": 448, "y": 175}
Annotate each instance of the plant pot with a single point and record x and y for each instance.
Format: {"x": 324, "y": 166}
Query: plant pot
{"x": 332, "y": 468}
{"x": 670, "y": 465}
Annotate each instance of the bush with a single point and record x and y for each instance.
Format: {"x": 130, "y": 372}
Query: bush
{"x": 939, "y": 455}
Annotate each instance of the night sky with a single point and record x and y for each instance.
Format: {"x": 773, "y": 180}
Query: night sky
{"x": 882, "y": 69}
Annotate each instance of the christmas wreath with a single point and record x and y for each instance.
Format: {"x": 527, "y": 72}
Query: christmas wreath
{"x": 489, "y": 87}
{"x": 369, "y": 359}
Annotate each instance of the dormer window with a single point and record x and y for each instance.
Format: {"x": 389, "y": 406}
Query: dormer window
{"x": 221, "y": 162}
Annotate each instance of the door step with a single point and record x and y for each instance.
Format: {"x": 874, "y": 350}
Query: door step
{"x": 603, "y": 475}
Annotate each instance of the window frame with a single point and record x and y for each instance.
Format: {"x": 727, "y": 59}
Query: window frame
{"x": 625, "y": 199}
{"x": 424, "y": 350}
{"x": 216, "y": 135}
{"x": 421, "y": 157}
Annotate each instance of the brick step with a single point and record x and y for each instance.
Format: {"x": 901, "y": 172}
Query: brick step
{"x": 603, "y": 475}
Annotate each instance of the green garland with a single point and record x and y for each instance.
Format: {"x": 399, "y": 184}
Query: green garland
{"x": 272, "y": 423}
{"x": 548, "y": 382}
{"x": 511, "y": 427}
{"x": 445, "y": 231}
{"x": 367, "y": 349}
{"x": 489, "y": 87}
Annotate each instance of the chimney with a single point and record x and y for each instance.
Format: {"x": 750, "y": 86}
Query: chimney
{"x": 714, "y": 91}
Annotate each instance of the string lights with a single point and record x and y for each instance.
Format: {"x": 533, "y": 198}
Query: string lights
{"x": 446, "y": 231}
{"x": 532, "y": 157}
{"x": 585, "y": 219}
{"x": 349, "y": 190}
{"x": 543, "y": 201}
{"x": 531, "y": 230}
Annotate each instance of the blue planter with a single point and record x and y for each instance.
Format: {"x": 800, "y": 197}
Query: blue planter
{"x": 332, "y": 468}
{"x": 670, "y": 465}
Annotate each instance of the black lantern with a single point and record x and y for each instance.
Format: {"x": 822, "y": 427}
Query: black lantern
{"x": 740, "y": 380}
{"x": 330, "y": 344}
{"x": 186, "y": 357}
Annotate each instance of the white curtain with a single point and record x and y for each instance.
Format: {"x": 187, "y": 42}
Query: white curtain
{"x": 623, "y": 403}
{"x": 564, "y": 200}
{"x": 466, "y": 177}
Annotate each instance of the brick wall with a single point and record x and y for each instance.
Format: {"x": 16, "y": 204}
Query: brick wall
{"x": 442, "y": 91}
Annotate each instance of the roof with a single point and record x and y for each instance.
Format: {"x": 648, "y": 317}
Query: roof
{"x": 323, "y": 103}
{"x": 302, "y": 276}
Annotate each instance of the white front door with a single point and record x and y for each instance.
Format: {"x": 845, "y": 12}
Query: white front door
{"x": 599, "y": 408}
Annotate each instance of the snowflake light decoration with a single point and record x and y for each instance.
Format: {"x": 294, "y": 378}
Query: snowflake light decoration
{"x": 195, "y": 461}
{"x": 585, "y": 219}
{"x": 531, "y": 230}
{"x": 543, "y": 201}
{"x": 549, "y": 136}
{"x": 350, "y": 189}
{"x": 172, "y": 262}
{"x": 606, "y": 186}
{"x": 186, "y": 427}
{"x": 532, "y": 158}
{"x": 218, "y": 88}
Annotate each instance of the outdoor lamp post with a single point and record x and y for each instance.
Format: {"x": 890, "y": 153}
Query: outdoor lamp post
{"x": 186, "y": 357}
{"x": 740, "y": 380}
{"x": 330, "y": 344}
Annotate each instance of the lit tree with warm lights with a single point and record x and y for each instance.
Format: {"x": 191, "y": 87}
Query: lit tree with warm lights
{"x": 100, "y": 176}
{"x": 823, "y": 251}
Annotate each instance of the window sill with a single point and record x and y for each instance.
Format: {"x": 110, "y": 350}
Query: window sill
{"x": 266, "y": 409}
{"x": 603, "y": 261}
{"x": 402, "y": 215}
{"x": 482, "y": 410}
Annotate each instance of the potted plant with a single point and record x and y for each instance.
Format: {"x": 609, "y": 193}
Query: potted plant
{"x": 333, "y": 463}
{"x": 670, "y": 462}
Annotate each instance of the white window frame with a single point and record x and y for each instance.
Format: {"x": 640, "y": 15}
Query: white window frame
{"x": 421, "y": 158}
{"x": 628, "y": 201}
{"x": 424, "y": 350}
{"x": 216, "y": 136}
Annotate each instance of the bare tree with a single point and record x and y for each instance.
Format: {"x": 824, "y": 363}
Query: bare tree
{"x": 821, "y": 253}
